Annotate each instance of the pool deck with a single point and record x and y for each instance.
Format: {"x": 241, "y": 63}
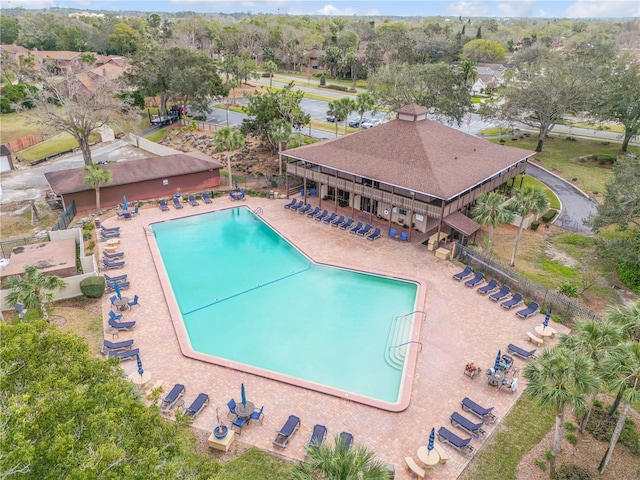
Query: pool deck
{"x": 461, "y": 325}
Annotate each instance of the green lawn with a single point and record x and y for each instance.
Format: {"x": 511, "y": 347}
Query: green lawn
{"x": 529, "y": 181}
{"x": 13, "y": 125}
{"x": 255, "y": 463}
{"x": 56, "y": 144}
{"x": 157, "y": 136}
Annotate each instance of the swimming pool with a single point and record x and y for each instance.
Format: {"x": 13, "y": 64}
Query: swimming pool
{"x": 248, "y": 296}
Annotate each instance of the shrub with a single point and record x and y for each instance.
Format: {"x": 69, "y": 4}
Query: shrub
{"x": 573, "y": 440}
{"x": 534, "y": 225}
{"x": 342, "y": 88}
{"x": 548, "y": 216}
{"x": 601, "y": 426}
{"x": 541, "y": 464}
{"x": 569, "y": 427}
{"x": 547, "y": 454}
{"x": 88, "y": 227}
{"x": 91, "y": 245}
{"x": 568, "y": 289}
{"x": 323, "y": 80}
{"x": 571, "y": 139}
{"x": 629, "y": 274}
{"x": 572, "y": 472}
{"x": 92, "y": 287}
{"x": 597, "y": 403}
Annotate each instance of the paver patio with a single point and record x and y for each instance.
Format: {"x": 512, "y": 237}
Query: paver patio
{"x": 461, "y": 325}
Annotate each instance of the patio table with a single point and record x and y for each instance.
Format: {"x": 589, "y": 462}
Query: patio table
{"x": 429, "y": 458}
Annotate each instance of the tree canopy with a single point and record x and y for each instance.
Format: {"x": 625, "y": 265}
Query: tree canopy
{"x": 483, "y": 51}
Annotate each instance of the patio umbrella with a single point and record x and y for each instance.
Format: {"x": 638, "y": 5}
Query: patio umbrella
{"x": 243, "y": 395}
{"x": 432, "y": 438}
{"x": 125, "y": 206}
{"x": 498, "y": 358}
{"x": 140, "y": 370}
{"x": 547, "y": 317}
{"x": 117, "y": 289}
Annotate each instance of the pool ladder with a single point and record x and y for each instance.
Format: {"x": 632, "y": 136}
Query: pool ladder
{"x": 258, "y": 211}
{"x": 399, "y": 338}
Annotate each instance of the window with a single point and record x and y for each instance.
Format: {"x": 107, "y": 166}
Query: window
{"x": 402, "y": 212}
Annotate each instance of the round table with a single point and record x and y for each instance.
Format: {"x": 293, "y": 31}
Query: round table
{"x": 244, "y": 411}
{"x": 429, "y": 458}
{"x": 138, "y": 379}
{"x": 544, "y": 332}
{"x": 496, "y": 378}
{"x": 122, "y": 303}
{"x": 113, "y": 241}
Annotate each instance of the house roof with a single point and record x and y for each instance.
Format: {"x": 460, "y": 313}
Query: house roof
{"x": 15, "y": 49}
{"x": 462, "y": 223}
{"x": 420, "y": 155}
{"x": 71, "y": 181}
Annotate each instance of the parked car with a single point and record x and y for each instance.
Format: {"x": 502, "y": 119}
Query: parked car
{"x": 355, "y": 122}
{"x": 333, "y": 119}
{"x": 371, "y": 123}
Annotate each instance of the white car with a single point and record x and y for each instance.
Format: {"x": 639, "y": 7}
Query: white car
{"x": 371, "y": 123}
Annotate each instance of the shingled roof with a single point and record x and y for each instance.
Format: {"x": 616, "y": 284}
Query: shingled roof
{"x": 72, "y": 181}
{"x": 415, "y": 153}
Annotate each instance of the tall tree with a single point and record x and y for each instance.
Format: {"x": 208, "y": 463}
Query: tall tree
{"x": 96, "y": 176}
{"x": 175, "y": 73}
{"x": 33, "y": 289}
{"x": 227, "y": 139}
{"x": 345, "y": 106}
{"x": 623, "y": 367}
{"x": 541, "y": 93}
{"x": 481, "y": 50}
{"x": 66, "y": 104}
{"x": 333, "y": 110}
{"x": 124, "y": 40}
{"x": 364, "y": 102}
{"x": 270, "y": 67}
{"x": 337, "y": 462}
{"x": 9, "y": 29}
{"x": 489, "y": 210}
{"x": 527, "y": 200}
{"x": 468, "y": 72}
{"x": 560, "y": 378}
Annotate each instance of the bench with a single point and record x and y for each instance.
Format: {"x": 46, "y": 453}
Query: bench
{"x": 533, "y": 339}
{"x": 443, "y": 454}
{"x": 415, "y": 468}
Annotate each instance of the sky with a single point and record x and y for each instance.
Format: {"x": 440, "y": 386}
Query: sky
{"x": 425, "y": 8}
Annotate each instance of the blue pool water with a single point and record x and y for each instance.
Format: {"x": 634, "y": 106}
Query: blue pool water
{"x": 247, "y": 295}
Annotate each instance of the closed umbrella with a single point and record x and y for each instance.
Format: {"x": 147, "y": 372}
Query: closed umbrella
{"x": 243, "y": 395}
{"x": 140, "y": 370}
{"x": 498, "y": 358}
{"x": 547, "y": 317}
{"x": 125, "y": 206}
{"x": 432, "y": 438}
{"x": 117, "y": 289}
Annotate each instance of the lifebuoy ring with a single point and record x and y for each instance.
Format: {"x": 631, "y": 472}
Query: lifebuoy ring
{"x": 386, "y": 211}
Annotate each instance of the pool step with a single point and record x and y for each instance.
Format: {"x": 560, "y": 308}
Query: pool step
{"x": 399, "y": 333}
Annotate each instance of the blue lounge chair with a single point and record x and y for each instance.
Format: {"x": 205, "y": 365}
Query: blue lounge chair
{"x": 172, "y": 397}
{"x": 135, "y": 211}
{"x": 338, "y": 222}
{"x": 304, "y": 210}
{"x": 346, "y": 224}
{"x": 297, "y": 206}
{"x": 330, "y": 218}
{"x": 473, "y": 429}
{"x": 120, "y": 215}
{"x": 125, "y": 355}
{"x": 312, "y": 192}
{"x": 112, "y": 299}
{"x": 114, "y": 316}
{"x": 113, "y": 256}
{"x": 345, "y": 439}
{"x": 163, "y": 205}
{"x": 109, "y": 235}
{"x": 376, "y": 233}
{"x": 467, "y": 272}
{"x": 365, "y": 230}
{"x": 392, "y": 233}
{"x": 291, "y": 203}
{"x": 121, "y": 325}
{"x": 192, "y": 201}
{"x": 207, "y": 199}
{"x": 134, "y": 302}
{"x": 176, "y": 202}
{"x": 231, "y": 405}
{"x": 317, "y": 436}
{"x": 240, "y": 422}
{"x": 404, "y": 236}
{"x": 485, "y": 414}
{"x": 193, "y": 410}
{"x": 322, "y": 216}
{"x": 532, "y": 309}
{"x": 117, "y": 278}
{"x": 111, "y": 286}
{"x": 108, "y": 346}
{"x": 108, "y": 264}
{"x": 258, "y": 415}
{"x": 109, "y": 229}
{"x": 512, "y": 302}
{"x": 477, "y": 278}
{"x": 357, "y": 228}
{"x": 313, "y": 212}
{"x": 286, "y": 432}
{"x": 492, "y": 286}
{"x": 460, "y": 444}
{"x": 501, "y": 294}
{"x": 521, "y": 352}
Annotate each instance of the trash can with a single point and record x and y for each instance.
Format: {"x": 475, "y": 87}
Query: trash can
{"x": 97, "y": 222}
{"x": 271, "y": 195}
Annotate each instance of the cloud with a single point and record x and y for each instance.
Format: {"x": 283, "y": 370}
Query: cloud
{"x": 599, "y": 9}
{"x": 516, "y": 9}
{"x": 330, "y": 10}
{"x": 29, "y": 3}
{"x": 470, "y": 9}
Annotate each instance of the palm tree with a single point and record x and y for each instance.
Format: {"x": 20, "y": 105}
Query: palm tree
{"x": 623, "y": 366}
{"x": 333, "y": 110}
{"x": 527, "y": 200}
{"x": 364, "y": 101}
{"x": 33, "y": 289}
{"x": 336, "y": 462}
{"x": 560, "y": 378}
{"x": 270, "y": 67}
{"x": 345, "y": 107}
{"x": 489, "y": 210}
{"x": 468, "y": 71}
{"x": 593, "y": 339}
{"x": 278, "y": 131}
{"x": 95, "y": 176}
{"x": 228, "y": 139}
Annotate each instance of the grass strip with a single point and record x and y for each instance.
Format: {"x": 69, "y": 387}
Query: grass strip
{"x": 525, "y": 425}
{"x": 255, "y": 463}
{"x": 157, "y": 136}
{"x": 62, "y": 142}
